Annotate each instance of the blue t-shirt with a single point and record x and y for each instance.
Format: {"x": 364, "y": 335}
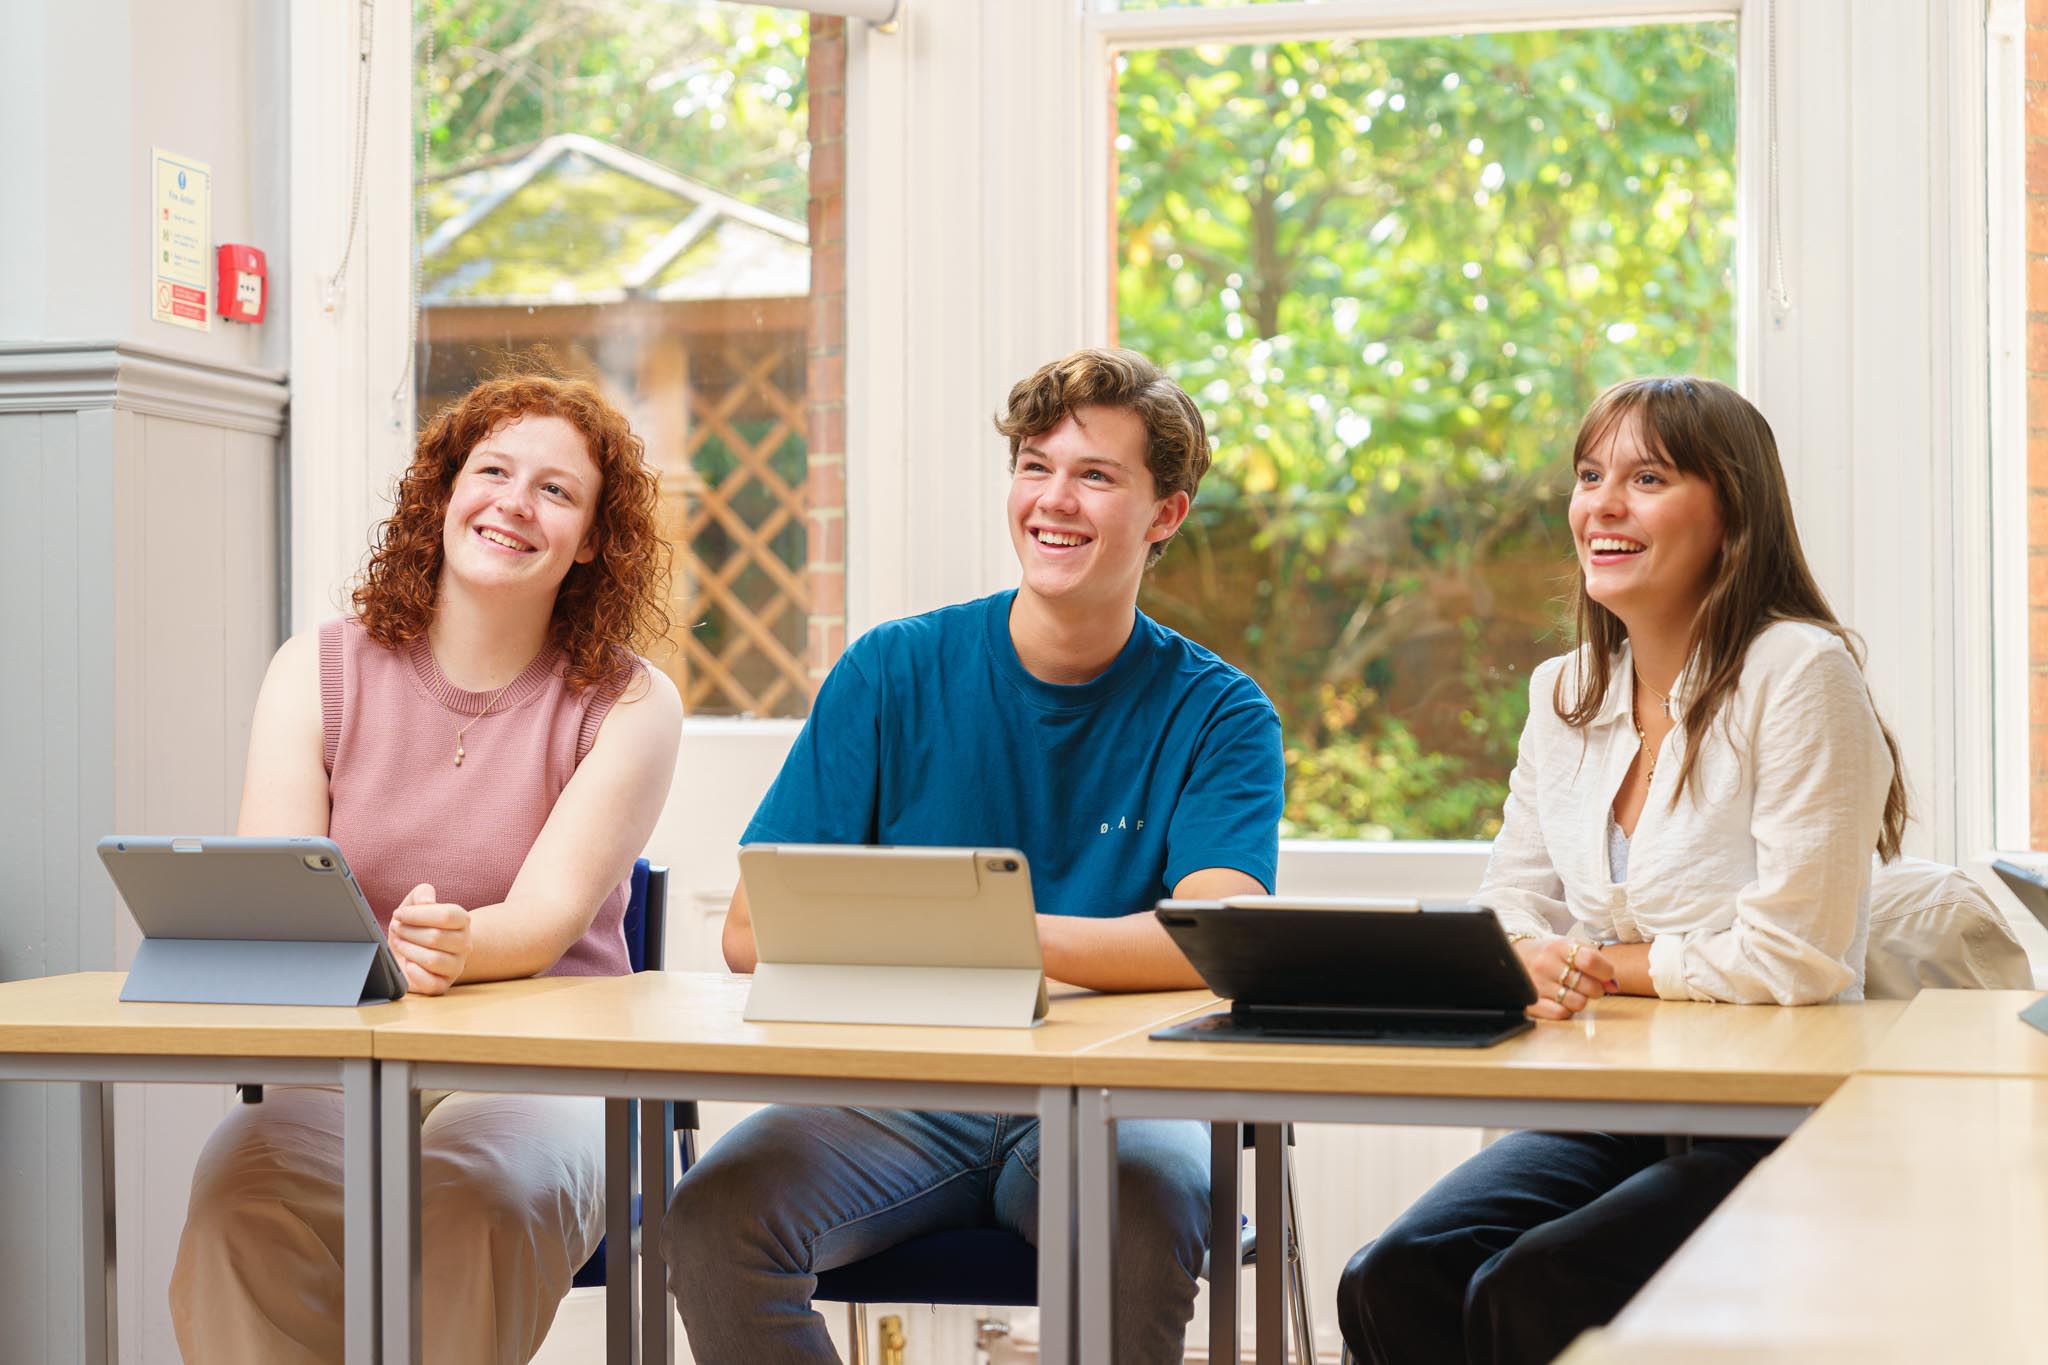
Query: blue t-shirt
{"x": 930, "y": 731}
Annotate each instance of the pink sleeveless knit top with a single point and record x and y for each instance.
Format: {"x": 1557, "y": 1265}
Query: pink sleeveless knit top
{"x": 404, "y": 813}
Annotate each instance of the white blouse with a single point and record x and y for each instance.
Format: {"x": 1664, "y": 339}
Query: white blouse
{"x": 1755, "y": 887}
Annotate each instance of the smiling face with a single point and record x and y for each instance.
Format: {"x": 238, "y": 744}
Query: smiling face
{"x": 1083, "y": 509}
{"x": 521, "y": 510}
{"x": 1648, "y": 535}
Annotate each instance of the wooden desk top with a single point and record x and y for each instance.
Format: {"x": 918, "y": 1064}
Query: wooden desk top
{"x": 1906, "y": 1220}
{"x": 1965, "y": 1033}
{"x": 1621, "y": 1049}
{"x": 690, "y": 1021}
{"x": 84, "y": 1013}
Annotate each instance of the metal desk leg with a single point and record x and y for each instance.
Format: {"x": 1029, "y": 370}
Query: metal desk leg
{"x": 1226, "y": 1246}
{"x": 398, "y": 1118}
{"x": 1096, "y": 1149}
{"x": 98, "y": 1302}
{"x": 657, "y": 1173}
{"x": 1056, "y": 1225}
{"x": 618, "y": 1232}
{"x": 359, "y": 1247}
{"x": 1269, "y": 1278}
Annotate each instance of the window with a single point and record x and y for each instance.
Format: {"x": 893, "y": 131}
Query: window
{"x": 630, "y": 189}
{"x": 1395, "y": 272}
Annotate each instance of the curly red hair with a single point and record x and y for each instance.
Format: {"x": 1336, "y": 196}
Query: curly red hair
{"x": 607, "y": 610}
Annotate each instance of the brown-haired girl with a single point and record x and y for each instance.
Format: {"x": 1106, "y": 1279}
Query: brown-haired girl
{"x": 490, "y": 753}
{"x": 1692, "y": 813}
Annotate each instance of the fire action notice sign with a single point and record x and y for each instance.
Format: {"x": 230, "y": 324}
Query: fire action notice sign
{"x": 181, "y": 237}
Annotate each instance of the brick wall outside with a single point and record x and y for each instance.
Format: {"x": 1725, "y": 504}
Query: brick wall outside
{"x": 2037, "y": 413}
{"x": 825, "y": 517}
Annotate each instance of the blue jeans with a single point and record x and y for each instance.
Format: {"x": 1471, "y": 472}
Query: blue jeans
{"x": 794, "y": 1190}
{"x": 1542, "y": 1235}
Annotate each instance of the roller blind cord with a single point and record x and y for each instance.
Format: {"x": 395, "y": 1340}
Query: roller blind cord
{"x": 330, "y": 302}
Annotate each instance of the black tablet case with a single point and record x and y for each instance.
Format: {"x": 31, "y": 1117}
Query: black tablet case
{"x": 1443, "y": 976}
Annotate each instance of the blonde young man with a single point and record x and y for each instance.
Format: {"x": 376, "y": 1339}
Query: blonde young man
{"x": 1126, "y": 762}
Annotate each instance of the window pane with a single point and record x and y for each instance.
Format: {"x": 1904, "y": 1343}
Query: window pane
{"x": 624, "y": 188}
{"x": 1395, "y": 273}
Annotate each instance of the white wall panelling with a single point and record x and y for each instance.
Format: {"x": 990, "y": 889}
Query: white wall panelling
{"x": 140, "y": 596}
{"x": 57, "y": 755}
{"x": 195, "y": 616}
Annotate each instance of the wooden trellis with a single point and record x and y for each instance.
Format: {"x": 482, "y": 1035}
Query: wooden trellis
{"x": 741, "y": 596}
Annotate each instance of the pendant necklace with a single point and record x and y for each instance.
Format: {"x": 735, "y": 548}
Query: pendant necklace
{"x": 463, "y": 729}
{"x": 1662, "y": 700}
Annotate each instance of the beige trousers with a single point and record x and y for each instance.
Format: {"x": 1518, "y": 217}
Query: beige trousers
{"x": 511, "y": 1203}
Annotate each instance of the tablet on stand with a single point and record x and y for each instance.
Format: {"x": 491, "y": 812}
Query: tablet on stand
{"x": 249, "y": 921}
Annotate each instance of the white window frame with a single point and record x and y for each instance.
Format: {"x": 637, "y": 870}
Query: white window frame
{"x": 1993, "y": 597}
{"x": 2006, "y": 825}
{"x": 1436, "y": 867}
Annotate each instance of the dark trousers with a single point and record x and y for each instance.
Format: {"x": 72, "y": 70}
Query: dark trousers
{"x": 1542, "y": 1235}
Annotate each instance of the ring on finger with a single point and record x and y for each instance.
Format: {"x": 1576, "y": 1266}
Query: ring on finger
{"x": 1571, "y": 978}
{"x": 1562, "y": 991}
{"x": 1571, "y": 956}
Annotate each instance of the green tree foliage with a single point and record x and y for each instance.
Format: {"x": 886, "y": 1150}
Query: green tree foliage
{"x": 1395, "y": 273}
{"x": 713, "y": 91}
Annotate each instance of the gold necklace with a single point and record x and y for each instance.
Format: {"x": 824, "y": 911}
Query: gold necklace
{"x": 464, "y": 729}
{"x": 1661, "y": 698}
{"x": 1650, "y": 773}
{"x": 1643, "y": 739}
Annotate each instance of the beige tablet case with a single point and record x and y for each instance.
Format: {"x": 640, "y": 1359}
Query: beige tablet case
{"x": 850, "y": 934}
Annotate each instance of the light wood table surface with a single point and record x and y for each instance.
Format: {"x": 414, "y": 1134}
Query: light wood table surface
{"x": 1965, "y": 1033}
{"x": 1622, "y": 1048}
{"x": 83, "y": 1014}
{"x": 690, "y": 1022}
{"x": 77, "y": 1028}
{"x": 1624, "y": 1065}
{"x": 658, "y": 1036}
{"x": 1906, "y": 1220}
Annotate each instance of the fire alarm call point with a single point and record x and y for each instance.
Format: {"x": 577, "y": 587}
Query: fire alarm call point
{"x": 244, "y": 283}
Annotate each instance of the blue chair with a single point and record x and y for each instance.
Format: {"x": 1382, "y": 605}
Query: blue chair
{"x": 994, "y": 1267}
{"x": 645, "y": 926}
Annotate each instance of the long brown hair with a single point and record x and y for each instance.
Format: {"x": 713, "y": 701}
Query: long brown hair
{"x": 1709, "y": 431}
{"x": 606, "y": 610}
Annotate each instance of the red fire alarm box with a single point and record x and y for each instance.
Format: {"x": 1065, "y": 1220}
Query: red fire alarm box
{"x": 244, "y": 283}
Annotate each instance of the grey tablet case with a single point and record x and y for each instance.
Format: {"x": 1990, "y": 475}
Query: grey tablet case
{"x": 853, "y": 934}
{"x": 1324, "y": 972}
{"x": 251, "y": 921}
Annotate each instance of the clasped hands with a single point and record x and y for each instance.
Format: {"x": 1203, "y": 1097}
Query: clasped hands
{"x": 1568, "y": 975}
{"x": 430, "y": 939}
